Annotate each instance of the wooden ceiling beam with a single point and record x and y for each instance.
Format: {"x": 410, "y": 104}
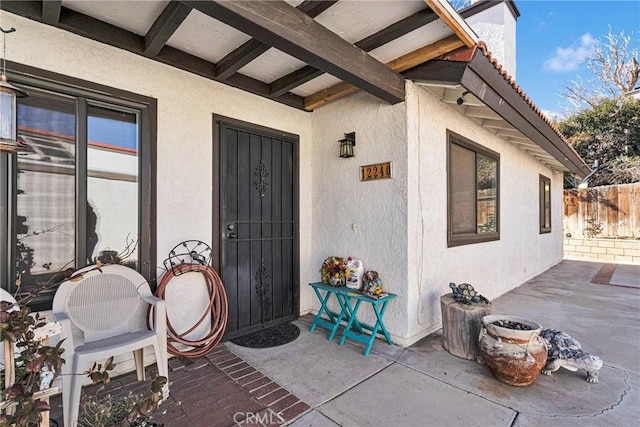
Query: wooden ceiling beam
{"x": 51, "y": 11}
{"x": 238, "y": 58}
{"x": 292, "y": 80}
{"x": 425, "y": 53}
{"x": 447, "y": 15}
{"x": 397, "y": 30}
{"x": 282, "y": 26}
{"x": 252, "y": 49}
{"x": 163, "y": 28}
{"x": 400, "y": 64}
{"x": 94, "y": 29}
{"x": 419, "y": 19}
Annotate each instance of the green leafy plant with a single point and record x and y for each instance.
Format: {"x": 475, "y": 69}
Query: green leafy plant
{"x": 132, "y": 410}
{"x": 17, "y": 326}
{"x": 34, "y": 356}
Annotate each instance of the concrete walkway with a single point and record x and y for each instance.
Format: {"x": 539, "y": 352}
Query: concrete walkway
{"x": 423, "y": 385}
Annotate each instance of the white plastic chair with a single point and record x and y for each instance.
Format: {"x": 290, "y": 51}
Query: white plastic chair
{"x": 105, "y": 314}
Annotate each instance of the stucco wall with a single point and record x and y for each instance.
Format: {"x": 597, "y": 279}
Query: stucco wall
{"x": 367, "y": 220}
{"x": 492, "y": 267}
{"x": 496, "y": 26}
{"x": 396, "y": 226}
{"x": 186, "y": 103}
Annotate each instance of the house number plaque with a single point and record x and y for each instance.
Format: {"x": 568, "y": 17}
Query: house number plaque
{"x": 376, "y": 171}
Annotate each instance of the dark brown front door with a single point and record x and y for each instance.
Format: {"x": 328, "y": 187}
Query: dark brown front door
{"x": 258, "y": 225}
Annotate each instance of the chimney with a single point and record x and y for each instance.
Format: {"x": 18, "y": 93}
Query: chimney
{"x": 495, "y": 23}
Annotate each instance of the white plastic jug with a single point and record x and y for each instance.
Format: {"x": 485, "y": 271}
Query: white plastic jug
{"x": 356, "y": 270}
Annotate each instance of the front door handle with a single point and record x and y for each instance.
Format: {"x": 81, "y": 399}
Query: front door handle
{"x": 231, "y": 235}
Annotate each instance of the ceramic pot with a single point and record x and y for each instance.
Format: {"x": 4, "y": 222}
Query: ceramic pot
{"x": 515, "y": 357}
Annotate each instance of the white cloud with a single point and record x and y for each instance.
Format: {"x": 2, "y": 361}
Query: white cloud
{"x": 553, "y": 115}
{"x": 569, "y": 58}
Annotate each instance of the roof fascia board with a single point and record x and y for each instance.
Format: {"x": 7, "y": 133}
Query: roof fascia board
{"x": 500, "y": 97}
{"x": 437, "y": 72}
{"x": 453, "y": 20}
{"x": 485, "y": 70}
{"x": 492, "y": 99}
{"x": 285, "y": 28}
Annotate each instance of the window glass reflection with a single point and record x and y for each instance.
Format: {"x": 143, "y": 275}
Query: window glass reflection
{"x": 487, "y": 196}
{"x": 112, "y": 189}
{"x": 45, "y": 200}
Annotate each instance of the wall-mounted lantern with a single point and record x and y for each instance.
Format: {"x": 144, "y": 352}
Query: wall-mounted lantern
{"x": 8, "y": 104}
{"x": 347, "y": 144}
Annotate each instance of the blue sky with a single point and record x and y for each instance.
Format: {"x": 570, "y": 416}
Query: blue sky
{"x": 553, "y": 37}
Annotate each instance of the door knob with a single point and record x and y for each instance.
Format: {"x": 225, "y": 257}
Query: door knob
{"x": 230, "y": 227}
{"x": 231, "y": 235}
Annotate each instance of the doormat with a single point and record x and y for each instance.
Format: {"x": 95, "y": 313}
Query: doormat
{"x": 270, "y": 337}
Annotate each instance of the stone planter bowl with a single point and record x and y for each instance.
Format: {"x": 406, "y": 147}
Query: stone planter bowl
{"x": 515, "y": 357}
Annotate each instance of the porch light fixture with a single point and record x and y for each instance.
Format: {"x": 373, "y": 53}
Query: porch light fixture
{"x": 8, "y": 117}
{"x": 347, "y": 144}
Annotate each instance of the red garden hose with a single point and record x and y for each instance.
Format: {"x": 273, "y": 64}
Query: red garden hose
{"x": 217, "y": 312}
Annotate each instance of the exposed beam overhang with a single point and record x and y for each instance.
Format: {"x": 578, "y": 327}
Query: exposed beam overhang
{"x": 240, "y": 57}
{"x": 450, "y": 17}
{"x": 425, "y": 53}
{"x": 100, "y": 31}
{"x": 480, "y": 77}
{"x": 165, "y": 25}
{"x": 509, "y": 104}
{"x": 282, "y": 26}
{"x": 374, "y": 41}
{"x": 252, "y": 49}
{"x": 397, "y": 30}
{"x": 400, "y": 64}
{"x": 51, "y": 11}
{"x": 285, "y": 83}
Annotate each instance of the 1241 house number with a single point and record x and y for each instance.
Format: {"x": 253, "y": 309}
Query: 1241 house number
{"x": 376, "y": 171}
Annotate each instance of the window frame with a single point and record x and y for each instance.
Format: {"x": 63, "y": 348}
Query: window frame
{"x": 544, "y": 228}
{"x": 84, "y": 92}
{"x": 470, "y": 238}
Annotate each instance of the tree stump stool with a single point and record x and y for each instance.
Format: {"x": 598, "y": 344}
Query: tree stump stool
{"x": 461, "y": 324}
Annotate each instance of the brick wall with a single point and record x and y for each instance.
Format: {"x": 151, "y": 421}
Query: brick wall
{"x": 625, "y": 250}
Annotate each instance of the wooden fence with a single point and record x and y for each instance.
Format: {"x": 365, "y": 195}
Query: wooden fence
{"x": 608, "y": 211}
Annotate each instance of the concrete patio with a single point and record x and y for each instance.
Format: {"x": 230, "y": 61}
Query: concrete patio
{"x": 425, "y": 385}
{"x": 313, "y": 382}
